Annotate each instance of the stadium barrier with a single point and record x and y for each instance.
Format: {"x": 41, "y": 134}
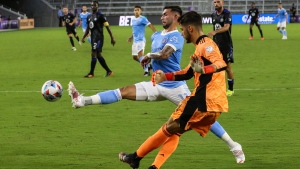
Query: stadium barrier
{"x": 12, "y": 24}
{"x": 26, "y": 23}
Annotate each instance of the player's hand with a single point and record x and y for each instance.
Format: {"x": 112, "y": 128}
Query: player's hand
{"x": 113, "y": 42}
{"x": 70, "y": 24}
{"x": 129, "y": 39}
{"x": 145, "y": 61}
{"x": 211, "y": 34}
{"x": 158, "y": 77}
{"x": 82, "y": 40}
{"x": 197, "y": 65}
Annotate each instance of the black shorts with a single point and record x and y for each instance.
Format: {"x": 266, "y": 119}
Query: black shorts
{"x": 228, "y": 55}
{"x": 254, "y": 22}
{"x": 97, "y": 43}
{"x": 71, "y": 31}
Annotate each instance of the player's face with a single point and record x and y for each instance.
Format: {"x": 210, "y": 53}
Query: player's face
{"x": 280, "y": 6}
{"x": 218, "y": 4}
{"x": 137, "y": 12}
{"x": 94, "y": 6}
{"x": 65, "y": 11}
{"x": 252, "y": 5}
{"x": 185, "y": 33}
{"x": 167, "y": 18}
{"x": 84, "y": 9}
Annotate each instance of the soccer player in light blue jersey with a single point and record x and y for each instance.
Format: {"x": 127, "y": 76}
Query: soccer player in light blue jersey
{"x": 139, "y": 23}
{"x": 283, "y": 19}
{"x": 166, "y": 54}
{"x": 83, "y": 20}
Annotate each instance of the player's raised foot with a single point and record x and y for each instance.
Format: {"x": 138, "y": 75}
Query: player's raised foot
{"x": 262, "y": 38}
{"x": 109, "y": 74}
{"x": 133, "y": 161}
{"x": 88, "y": 76}
{"x": 238, "y": 153}
{"x": 251, "y": 37}
{"x": 152, "y": 167}
{"x": 76, "y": 98}
{"x": 79, "y": 42}
{"x": 73, "y": 48}
{"x": 229, "y": 92}
{"x": 284, "y": 37}
{"x": 146, "y": 74}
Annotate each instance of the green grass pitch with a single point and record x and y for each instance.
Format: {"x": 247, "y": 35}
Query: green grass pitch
{"x": 34, "y": 133}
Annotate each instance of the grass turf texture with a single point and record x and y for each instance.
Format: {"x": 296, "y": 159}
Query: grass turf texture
{"x": 34, "y": 133}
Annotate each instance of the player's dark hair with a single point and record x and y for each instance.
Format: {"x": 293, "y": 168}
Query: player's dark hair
{"x": 174, "y": 9}
{"x": 252, "y": 2}
{"x": 96, "y": 2}
{"x": 279, "y": 3}
{"x": 191, "y": 18}
{"x": 137, "y": 6}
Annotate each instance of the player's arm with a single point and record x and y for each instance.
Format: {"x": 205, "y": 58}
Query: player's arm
{"x": 163, "y": 54}
{"x": 74, "y": 21}
{"x": 130, "y": 38}
{"x": 63, "y": 23}
{"x": 80, "y": 22}
{"x": 152, "y": 27}
{"x": 87, "y": 31}
{"x": 112, "y": 40}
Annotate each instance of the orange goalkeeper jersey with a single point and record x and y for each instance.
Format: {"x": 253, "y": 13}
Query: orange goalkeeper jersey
{"x": 210, "y": 89}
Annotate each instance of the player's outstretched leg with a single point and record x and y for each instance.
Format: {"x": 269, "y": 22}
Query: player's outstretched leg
{"x": 235, "y": 147}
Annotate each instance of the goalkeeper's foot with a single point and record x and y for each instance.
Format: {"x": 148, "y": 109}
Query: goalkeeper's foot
{"x": 229, "y": 92}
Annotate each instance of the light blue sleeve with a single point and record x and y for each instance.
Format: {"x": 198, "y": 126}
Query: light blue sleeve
{"x": 145, "y": 21}
{"x": 176, "y": 41}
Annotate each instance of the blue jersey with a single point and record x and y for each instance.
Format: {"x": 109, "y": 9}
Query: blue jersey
{"x": 138, "y": 28}
{"x": 172, "y": 63}
{"x": 282, "y": 14}
{"x": 83, "y": 17}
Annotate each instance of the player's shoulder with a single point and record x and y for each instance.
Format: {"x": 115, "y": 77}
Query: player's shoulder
{"x": 99, "y": 13}
{"x": 226, "y": 11}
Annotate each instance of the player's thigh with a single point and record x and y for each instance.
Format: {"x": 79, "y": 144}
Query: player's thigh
{"x": 283, "y": 25}
{"x": 227, "y": 55}
{"x": 147, "y": 92}
{"x": 97, "y": 44}
{"x": 69, "y": 32}
{"x": 74, "y": 32}
{"x": 175, "y": 95}
{"x": 137, "y": 47}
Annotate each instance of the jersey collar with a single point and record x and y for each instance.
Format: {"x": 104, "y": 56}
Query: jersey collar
{"x": 200, "y": 38}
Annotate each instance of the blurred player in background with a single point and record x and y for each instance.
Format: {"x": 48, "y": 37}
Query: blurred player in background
{"x": 138, "y": 36}
{"x": 166, "y": 57}
{"x": 222, "y": 36}
{"x": 95, "y": 22}
{"x": 254, "y": 13}
{"x": 283, "y": 19}
{"x": 69, "y": 20}
{"x": 83, "y": 20}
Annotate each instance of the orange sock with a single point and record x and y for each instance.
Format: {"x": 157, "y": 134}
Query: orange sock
{"x": 166, "y": 151}
{"x": 154, "y": 141}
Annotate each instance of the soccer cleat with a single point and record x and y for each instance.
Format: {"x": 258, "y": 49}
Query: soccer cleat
{"x": 238, "y": 153}
{"x": 262, "y": 38}
{"x": 79, "y": 42}
{"x": 133, "y": 162}
{"x": 146, "y": 74}
{"x": 88, "y": 76}
{"x": 76, "y": 97}
{"x": 251, "y": 37}
{"x": 229, "y": 92}
{"x": 284, "y": 37}
{"x": 153, "y": 167}
{"x": 109, "y": 74}
{"x": 74, "y": 49}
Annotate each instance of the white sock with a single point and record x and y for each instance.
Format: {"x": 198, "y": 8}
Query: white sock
{"x": 225, "y": 137}
{"x": 96, "y": 99}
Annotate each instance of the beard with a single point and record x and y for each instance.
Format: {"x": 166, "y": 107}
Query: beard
{"x": 218, "y": 8}
{"x": 166, "y": 26}
{"x": 188, "y": 38}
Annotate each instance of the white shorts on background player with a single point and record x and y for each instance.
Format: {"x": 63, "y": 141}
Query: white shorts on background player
{"x": 137, "y": 47}
{"x": 281, "y": 24}
{"x": 147, "y": 92}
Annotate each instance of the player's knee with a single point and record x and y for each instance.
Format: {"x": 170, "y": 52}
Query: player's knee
{"x": 135, "y": 58}
{"x": 173, "y": 127}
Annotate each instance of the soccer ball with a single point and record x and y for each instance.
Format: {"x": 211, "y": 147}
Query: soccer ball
{"x": 52, "y": 90}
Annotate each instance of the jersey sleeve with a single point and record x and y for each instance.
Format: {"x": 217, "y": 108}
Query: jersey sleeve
{"x": 176, "y": 41}
{"x": 103, "y": 19}
{"x": 211, "y": 52}
{"x": 146, "y": 21}
{"x": 227, "y": 18}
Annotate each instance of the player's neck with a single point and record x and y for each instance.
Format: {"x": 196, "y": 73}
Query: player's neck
{"x": 170, "y": 29}
{"x": 220, "y": 11}
{"x": 94, "y": 12}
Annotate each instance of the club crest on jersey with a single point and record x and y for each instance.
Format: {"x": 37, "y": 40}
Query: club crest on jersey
{"x": 221, "y": 20}
{"x": 164, "y": 40}
{"x": 174, "y": 39}
{"x": 95, "y": 19}
{"x": 209, "y": 49}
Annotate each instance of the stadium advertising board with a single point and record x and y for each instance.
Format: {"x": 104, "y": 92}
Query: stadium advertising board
{"x": 206, "y": 19}
{"x": 26, "y": 23}
{"x": 13, "y": 24}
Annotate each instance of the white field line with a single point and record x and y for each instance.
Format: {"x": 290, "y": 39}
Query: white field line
{"x": 241, "y": 89}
